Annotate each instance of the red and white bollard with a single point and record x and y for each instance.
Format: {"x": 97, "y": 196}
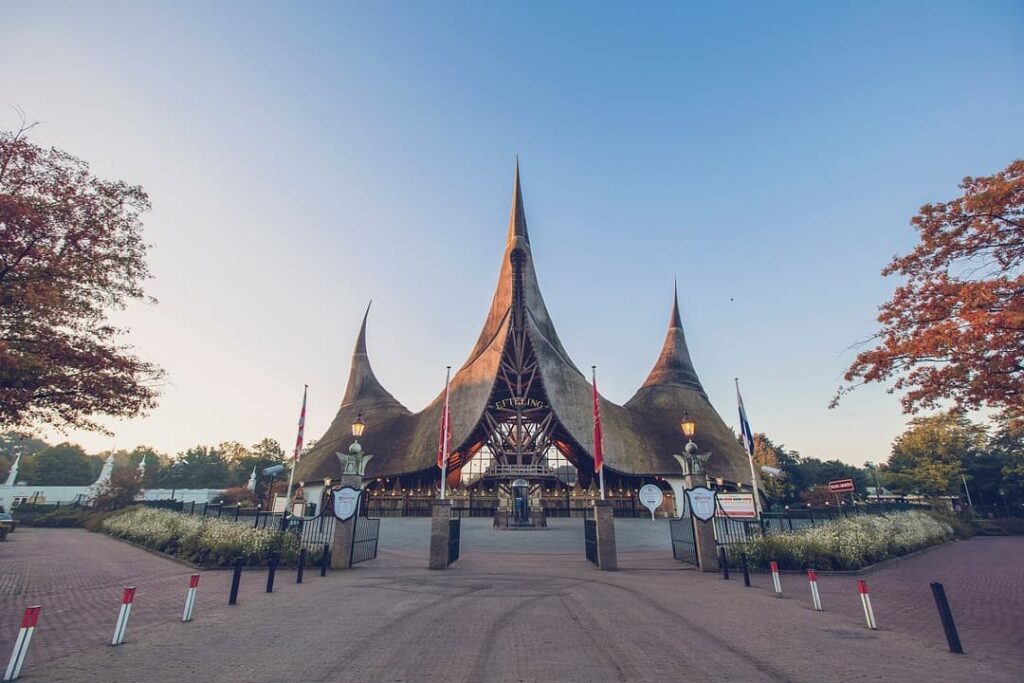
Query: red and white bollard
{"x": 775, "y": 578}
{"x": 865, "y": 600}
{"x": 812, "y": 576}
{"x": 28, "y": 627}
{"x": 190, "y": 597}
{"x": 122, "y": 617}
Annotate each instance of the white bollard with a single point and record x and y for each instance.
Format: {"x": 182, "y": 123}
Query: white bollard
{"x": 865, "y": 600}
{"x": 190, "y": 597}
{"x": 812, "y": 576}
{"x": 28, "y": 627}
{"x": 775, "y": 578}
{"x": 122, "y": 616}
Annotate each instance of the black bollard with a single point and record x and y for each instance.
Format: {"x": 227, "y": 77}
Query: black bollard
{"x": 946, "y": 615}
{"x": 325, "y": 560}
{"x": 723, "y": 561}
{"x": 235, "y": 580}
{"x": 271, "y": 570}
{"x": 302, "y": 565}
{"x": 746, "y": 572}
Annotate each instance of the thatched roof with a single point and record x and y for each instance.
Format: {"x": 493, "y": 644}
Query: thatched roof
{"x": 639, "y": 437}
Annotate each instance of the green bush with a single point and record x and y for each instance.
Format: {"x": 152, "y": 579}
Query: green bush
{"x": 63, "y": 517}
{"x": 847, "y": 543}
{"x": 961, "y": 529}
{"x": 205, "y": 541}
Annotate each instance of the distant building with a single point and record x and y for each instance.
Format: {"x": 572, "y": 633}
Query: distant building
{"x": 13, "y": 494}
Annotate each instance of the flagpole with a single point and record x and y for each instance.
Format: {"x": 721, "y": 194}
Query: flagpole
{"x": 600, "y": 432}
{"x": 446, "y": 420}
{"x": 749, "y": 449}
{"x": 295, "y": 455}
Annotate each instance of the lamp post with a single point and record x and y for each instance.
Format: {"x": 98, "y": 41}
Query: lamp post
{"x": 692, "y": 462}
{"x": 874, "y": 471}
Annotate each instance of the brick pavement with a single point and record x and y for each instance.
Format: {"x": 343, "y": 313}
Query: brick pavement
{"x": 78, "y": 577}
{"x": 983, "y": 578}
{"x": 502, "y": 616}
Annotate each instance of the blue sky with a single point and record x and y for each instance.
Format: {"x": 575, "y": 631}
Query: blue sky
{"x": 305, "y": 158}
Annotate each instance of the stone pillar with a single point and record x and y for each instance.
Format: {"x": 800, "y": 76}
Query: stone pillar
{"x": 341, "y": 545}
{"x": 707, "y": 551}
{"x": 607, "y": 559}
{"x": 440, "y": 515}
{"x": 703, "y": 532}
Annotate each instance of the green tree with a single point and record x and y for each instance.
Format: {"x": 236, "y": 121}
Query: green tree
{"x": 65, "y": 464}
{"x": 933, "y": 453}
{"x": 264, "y": 453}
{"x": 1007, "y": 445}
{"x": 200, "y": 467}
{"x": 13, "y": 444}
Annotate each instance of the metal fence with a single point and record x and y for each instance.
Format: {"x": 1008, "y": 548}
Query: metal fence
{"x": 454, "y": 538}
{"x": 590, "y": 539}
{"x": 730, "y": 530}
{"x": 364, "y": 539}
{"x": 684, "y": 545}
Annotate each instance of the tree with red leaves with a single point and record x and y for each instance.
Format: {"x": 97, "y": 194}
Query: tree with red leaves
{"x": 71, "y": 250}
{"x": 954, "y": 331}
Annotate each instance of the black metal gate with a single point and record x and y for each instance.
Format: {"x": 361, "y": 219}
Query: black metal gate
{"x": 590, "y": 539}
{"x": 454, "y": 538}
{"x": 364, "y": 539}
{"x": 684, "y": 543}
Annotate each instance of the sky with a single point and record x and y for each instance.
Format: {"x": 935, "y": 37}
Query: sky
{"x": 304, "y": 158}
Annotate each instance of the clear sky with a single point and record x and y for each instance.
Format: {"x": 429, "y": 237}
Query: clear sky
{"x": 303, "y": 158}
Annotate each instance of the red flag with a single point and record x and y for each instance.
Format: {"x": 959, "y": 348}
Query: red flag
{"x": 598, "y": 433}
{"x": 444, "y": 436}
{"x": 302, "y": 427}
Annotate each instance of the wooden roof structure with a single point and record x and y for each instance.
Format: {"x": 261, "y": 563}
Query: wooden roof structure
{"x": 640, "y": 436}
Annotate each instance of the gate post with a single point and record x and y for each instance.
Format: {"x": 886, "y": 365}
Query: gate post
{"x": 344, "y": 532}
{"x": 604, "y": 515}
{"x": 704, "y": 539}
{"x": 440, "y": 531}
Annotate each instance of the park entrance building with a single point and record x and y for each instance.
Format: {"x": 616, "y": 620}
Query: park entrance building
{"x": 522, "y": 415}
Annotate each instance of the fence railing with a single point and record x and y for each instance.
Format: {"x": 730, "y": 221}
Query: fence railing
{"x": 731, "y": 530}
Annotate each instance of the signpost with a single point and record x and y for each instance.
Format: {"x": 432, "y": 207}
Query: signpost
{"x": 702, "y": 502}
{"x": 346, "y": 502}
{"x": 840, "y": 485}
{"x": 651, "y": 497}
{"x": 736, "y": 505}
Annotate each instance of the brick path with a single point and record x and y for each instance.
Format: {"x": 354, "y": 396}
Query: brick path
{"x": 983, "y": 578}
{"x": 504, "y": 617}
{"x": 78, "y": 578}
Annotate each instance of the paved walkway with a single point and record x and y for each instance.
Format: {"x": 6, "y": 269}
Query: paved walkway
{"x": 501, "y": 616}
{"x": 78, "y": 578}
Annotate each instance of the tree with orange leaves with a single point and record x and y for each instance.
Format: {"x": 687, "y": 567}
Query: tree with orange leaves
{"x": 71, "y": 249}
{"x": 954, "y": 331}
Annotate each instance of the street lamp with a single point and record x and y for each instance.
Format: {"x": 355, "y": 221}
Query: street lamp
{"x": 693, "y": 462}
{"x": 358, "y": 426}
{"x": 354, "y": 462}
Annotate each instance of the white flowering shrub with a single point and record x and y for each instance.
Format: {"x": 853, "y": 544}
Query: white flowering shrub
{"x": 205, "y": 541}
{"x": 847, "y": 543}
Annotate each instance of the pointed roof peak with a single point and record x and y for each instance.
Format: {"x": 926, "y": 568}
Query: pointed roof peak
{"x": 674, "y": 319}
{"x": 361, "y": 339}
{"x": 517, "y": 216}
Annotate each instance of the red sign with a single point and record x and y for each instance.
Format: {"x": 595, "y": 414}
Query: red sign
{"x": 840, "y": 485}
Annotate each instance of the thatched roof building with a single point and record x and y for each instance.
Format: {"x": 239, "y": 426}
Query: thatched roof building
{"x": 519, "y": 395}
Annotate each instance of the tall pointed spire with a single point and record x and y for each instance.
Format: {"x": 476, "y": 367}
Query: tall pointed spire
{"x": 12, "y": 475}
{"x": 674, "y": 320}
{"x": 517, "y": 216}
{"x": 362, "y": 383}
{"x": 361, "y": 339}
{"x": 674, "y": 366}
